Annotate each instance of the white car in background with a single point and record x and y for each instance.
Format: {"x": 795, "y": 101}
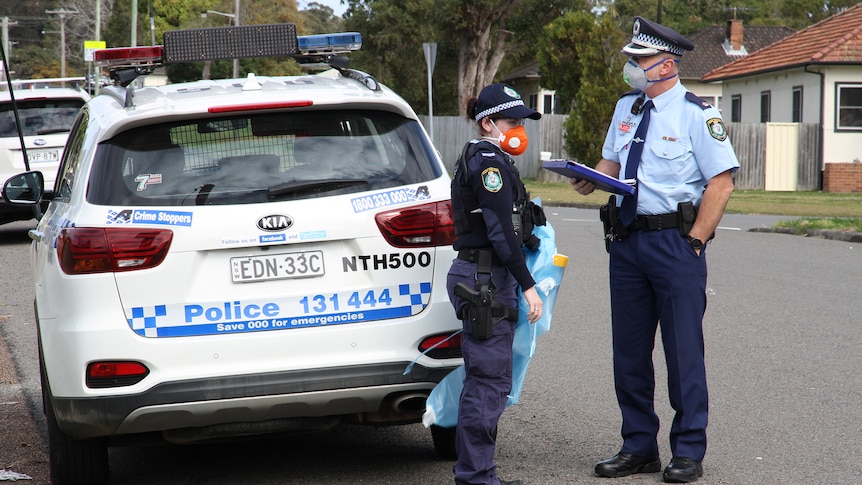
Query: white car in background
{"x": 46, "y": 111}
{"x": 237, "y": 257}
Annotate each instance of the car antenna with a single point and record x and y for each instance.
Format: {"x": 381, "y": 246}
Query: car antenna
{"x": 6, "y": 71}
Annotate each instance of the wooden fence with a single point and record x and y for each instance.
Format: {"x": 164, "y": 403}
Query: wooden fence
{"x": 546, "y": 135}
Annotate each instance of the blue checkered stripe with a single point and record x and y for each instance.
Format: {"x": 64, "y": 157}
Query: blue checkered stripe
{"x": 419, "y": 293}
{"x": 145, "y": 320}
{"x": 169, "y": 320}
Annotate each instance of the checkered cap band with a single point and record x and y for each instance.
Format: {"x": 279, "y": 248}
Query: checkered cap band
{"x": 653, "y": 42}
{"x": 499, "y": 107}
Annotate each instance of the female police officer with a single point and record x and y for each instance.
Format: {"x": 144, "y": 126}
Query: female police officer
{"x": 492, "y": 221}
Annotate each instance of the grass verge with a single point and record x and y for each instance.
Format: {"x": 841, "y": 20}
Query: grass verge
{"x": 815, "y": 210}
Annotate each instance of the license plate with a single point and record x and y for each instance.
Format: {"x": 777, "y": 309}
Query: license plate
{"x": 277, "y": 266}
{"x": 52, "y": 155}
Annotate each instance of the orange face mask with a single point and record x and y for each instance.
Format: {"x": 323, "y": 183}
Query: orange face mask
{"x": 514, "y": 141}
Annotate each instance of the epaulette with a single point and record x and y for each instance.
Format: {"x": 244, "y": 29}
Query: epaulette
{"x": 697, "y": 100}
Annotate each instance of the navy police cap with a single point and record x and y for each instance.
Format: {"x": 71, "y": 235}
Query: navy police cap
{"x": 650, "y": 38}
{"x": 503, "y": 101}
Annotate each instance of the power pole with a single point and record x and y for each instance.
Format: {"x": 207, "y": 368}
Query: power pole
{"x": 62, "y": 13}
{"x": 6, "y": 44}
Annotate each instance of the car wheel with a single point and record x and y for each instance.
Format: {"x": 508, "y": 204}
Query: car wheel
{"x": 444, "y": 442}
{"x": 72, "y": 461}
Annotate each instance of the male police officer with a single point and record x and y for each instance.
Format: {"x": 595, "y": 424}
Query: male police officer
{"x": 675, "y": 145}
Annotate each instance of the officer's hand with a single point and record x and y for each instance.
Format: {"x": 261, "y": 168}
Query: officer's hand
{"x": 535, "y": 310}
{"x": 581, "y": 186}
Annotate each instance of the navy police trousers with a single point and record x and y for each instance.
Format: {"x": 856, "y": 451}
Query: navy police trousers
{"x": 656, "y": 278}
{"x": 488, "y": 381}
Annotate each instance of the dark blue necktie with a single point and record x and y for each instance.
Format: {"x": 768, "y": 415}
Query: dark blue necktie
{"x": 629, "y": 206}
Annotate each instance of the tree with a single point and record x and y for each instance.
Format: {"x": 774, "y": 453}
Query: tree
{"x": 489, "y": 29}
{"x": 320, "y": 19}
{"x": 579, "y": 57}
{"x": 486, "y": 31}
{"x": 392, "y": 36}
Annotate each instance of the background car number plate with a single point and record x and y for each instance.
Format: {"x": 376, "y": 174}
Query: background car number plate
{"x": 277, "y": 266}
{"x": 52, "y": 155}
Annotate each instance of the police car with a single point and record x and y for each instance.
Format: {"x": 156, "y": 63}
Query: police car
{"x": 241, "y": 256}
{"x": 46, "y": 109}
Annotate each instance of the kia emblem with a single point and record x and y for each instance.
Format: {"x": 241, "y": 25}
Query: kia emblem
{"x": 40, "y": 142}
{"x": 275, "y": 222}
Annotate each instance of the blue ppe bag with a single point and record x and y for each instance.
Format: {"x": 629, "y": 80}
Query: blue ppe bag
{"x": 547, "y": 267}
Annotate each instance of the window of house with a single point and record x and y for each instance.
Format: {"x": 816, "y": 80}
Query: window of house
{"x": 534, "y": 101}
{"x": 548, "y": 107}
{"x": 796, "y": 113}
{"x": 849, "y": 109}
{"x": 765, "y": 106}
{"x": 736, "y": 108}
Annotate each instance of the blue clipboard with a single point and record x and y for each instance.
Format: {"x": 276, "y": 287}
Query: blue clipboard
{"x": 576, "y": 170}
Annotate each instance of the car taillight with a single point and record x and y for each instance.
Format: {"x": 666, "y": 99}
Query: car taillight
{"x": 115, "y": 374}
{"x": 441, "y": 348}
{"x": 422, "y": 225}
{"x": 85, "y": 250}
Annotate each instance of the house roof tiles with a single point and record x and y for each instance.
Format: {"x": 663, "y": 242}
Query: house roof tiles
{"x": 834, "y": 40}
{"x": 709, "y": 52}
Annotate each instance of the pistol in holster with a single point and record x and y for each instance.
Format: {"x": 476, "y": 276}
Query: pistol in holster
{"x": 481, "y": 310}
{"x": 610, "y": 216}
{"x": 687, "y": 213}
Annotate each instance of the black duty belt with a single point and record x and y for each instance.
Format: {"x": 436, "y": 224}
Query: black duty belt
{"x": 471, "y": 255}
{"x": 655, "y": 223}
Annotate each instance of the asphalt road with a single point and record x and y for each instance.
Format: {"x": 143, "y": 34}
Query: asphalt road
{"x": 783, "y": 346}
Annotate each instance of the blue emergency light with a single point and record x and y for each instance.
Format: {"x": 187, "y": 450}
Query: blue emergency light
{"x": 329, "y": 43}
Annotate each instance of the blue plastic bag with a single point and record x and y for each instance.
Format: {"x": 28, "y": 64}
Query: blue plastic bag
{"x": 547, "y": 267}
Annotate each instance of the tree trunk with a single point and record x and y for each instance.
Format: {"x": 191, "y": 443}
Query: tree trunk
{"x": 482, "y": 47}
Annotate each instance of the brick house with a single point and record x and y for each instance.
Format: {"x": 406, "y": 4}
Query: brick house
{"x": 811, "y": 76}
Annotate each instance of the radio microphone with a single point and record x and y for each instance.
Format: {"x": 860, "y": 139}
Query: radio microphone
{"x": 638, "y": 106}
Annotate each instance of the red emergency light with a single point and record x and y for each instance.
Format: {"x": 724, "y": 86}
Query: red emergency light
{"x": 127, "y": 56}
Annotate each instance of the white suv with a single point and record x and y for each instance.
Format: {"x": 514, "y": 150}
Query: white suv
{"x": 46, "y": 111}
{"x": 237, "y": 257}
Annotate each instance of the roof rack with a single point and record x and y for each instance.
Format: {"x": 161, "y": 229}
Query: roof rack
{"x": 239, "y": 42}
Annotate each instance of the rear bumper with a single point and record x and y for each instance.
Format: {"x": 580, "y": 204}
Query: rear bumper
{"x": 244, "y": 398}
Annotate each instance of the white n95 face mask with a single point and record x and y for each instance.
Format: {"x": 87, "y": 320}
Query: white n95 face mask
{"x": 636, "y": 76}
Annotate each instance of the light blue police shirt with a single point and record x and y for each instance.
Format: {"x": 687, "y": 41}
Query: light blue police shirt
{"x": 686, "y": 145}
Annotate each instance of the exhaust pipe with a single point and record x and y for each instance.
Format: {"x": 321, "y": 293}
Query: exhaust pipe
{"x": 412, "y": 403}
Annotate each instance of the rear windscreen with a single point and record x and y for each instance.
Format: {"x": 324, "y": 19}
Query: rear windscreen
{"x": 259, "y": 158}
{"x": 39, "y": 117}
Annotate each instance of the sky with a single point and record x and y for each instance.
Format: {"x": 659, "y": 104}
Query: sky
{"x": 335, "y": 5}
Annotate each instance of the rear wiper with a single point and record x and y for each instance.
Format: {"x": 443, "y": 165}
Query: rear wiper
{"x": 308, "y": 186}
{"x": 52, "y": 131}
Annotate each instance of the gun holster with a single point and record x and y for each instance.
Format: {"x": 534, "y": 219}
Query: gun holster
{"x": 687, "y": 213}
{"x": 610, "y": 217}
{"x": 481, "y": 310}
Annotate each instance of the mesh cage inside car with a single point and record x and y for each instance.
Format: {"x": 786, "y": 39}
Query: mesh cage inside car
{"x": 259, "y": 158}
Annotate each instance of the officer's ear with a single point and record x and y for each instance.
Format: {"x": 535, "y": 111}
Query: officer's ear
{"x": 486, "y": 125}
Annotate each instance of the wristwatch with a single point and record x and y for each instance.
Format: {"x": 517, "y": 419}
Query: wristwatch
{"x": 696, "y": 243}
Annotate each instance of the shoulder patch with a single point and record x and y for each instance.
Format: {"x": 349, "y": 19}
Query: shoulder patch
{"x": 492, "y": 180}
{"x": 697, "y": 100}
{"x": 716, "y": 129}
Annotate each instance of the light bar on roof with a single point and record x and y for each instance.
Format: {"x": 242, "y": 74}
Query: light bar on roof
{"x": 128, "y": 56}
{"x": 329, "y": 43}
{"x": 240, "y": 42}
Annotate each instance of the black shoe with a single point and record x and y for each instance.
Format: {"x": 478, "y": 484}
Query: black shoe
{"x": 513, "y": 482}
{"x": 625, "y": 464}
{"x": 682, "y": 470}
